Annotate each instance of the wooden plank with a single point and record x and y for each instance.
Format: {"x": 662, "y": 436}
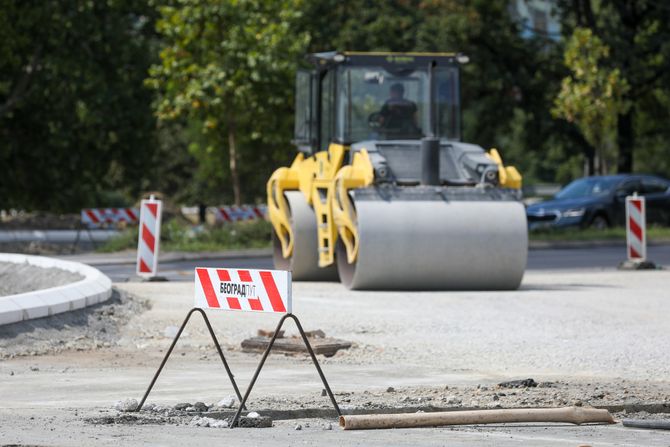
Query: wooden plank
{"x": 294, "y": 345}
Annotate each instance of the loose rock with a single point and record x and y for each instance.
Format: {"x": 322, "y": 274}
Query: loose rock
{"x": 525, "y": 383}
{"x": 200, "y": 407}
{"x": 126, "y": 405}
{"x": 255, "y": 422}
{"x": 208, "y": 422}
{"x": 227, "y": 402}
{"x": 182, "y": 406}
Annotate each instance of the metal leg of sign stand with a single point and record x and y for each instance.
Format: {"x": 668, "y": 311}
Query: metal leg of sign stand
{"x": 90, "y": 236}
{"x": 75, "y": 244}
{"x": 76, "y": 239}
{"x": 174, "y": 342}
{"x": 265, "y": 356}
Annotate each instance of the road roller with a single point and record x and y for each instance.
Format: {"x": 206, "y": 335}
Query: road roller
{"x": 382, "y": 193}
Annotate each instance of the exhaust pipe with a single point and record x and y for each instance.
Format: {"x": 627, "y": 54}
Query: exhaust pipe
{"x": 430, "y": 161}
{"x": 430, "y": 145}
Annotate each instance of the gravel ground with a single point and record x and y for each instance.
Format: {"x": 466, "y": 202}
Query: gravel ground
{"x": 648, "y": 401}
{"x": 597, "y": 324}
{"x": 71, "y": 427}
{"x": 21, "y": 278}
{"x": 596, "y": 339}
{"x": 93, "y": 327}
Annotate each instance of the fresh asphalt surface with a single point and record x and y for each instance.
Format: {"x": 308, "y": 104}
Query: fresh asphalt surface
{"x": 605, "y": 257}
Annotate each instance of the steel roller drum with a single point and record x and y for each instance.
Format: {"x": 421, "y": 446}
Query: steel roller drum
{"x": 447, "y": 245}
{"x": 304, "y": 263}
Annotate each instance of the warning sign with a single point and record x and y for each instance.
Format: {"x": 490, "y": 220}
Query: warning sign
{"x": 248, "y": 290}
{"x": 636, "y": 232}
{"x": 149, "y": 237}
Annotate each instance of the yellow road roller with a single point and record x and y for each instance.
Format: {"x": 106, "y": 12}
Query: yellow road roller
{"x": 383, "y": 194}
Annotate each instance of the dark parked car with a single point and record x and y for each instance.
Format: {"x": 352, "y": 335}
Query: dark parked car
{"x": 600, "y": 201}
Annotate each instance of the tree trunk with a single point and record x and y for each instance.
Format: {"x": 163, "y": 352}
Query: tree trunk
{"x": 625, "y": 140}
{"x": 232, "y": 155}
{"x": 590, "y": 155}
{"x": 597, "y": 163}
{"x": 587, "y": 149}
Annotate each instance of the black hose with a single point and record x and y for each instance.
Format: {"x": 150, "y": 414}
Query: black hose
{"x": 648, "y": 423}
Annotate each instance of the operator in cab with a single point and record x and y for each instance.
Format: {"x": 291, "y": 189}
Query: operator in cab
{"x": 398, "y": 116}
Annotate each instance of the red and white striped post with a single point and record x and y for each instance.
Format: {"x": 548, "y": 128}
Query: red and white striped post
{"x": 238, "y": 213}
{"x": 636, "y": 229}
{"x": 149, "y": 237}
{"x": 97, "y": 217}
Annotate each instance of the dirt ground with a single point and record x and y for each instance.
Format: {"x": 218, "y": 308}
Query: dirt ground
{"x": 21, "y": 278}
{"x": 597, "y": 338}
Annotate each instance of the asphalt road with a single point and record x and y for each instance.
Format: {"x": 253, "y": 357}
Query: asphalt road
{"x": 600, "y": 258}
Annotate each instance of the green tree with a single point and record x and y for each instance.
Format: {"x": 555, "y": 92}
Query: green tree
{"x": 227, "y": 68}
{"x": 593, "y": 96}
{"x": 75, "y": 118}
{"x": 638, "y": 35}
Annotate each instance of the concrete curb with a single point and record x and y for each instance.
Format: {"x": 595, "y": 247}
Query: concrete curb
{"x": 94, "y": 288}
{"x": 130, "y": 256}
{"x": 539, "y": 244}
{"x": 55, "y": 236}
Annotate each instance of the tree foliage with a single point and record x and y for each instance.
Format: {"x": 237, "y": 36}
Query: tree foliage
{"x": 75, "y": 121}
{"x": 227, "y": 68}
{"x": 80, "y": 127}
{"x": 638, "y": 35}
{"x": 593, "y": 96}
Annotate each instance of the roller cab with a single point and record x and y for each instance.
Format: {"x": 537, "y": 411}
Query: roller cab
{"x": 383, "y": 194}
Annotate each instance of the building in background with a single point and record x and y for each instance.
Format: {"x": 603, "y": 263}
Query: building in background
{"x": 537, "y": 18}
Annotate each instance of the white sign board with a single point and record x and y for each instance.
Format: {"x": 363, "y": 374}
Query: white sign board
{"x": 242, "y": 289}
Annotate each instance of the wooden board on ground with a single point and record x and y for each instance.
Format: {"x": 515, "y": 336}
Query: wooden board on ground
{"x": 294, "y": 345}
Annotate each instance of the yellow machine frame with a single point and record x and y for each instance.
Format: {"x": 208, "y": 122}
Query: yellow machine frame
{"x": 325, "y": 183}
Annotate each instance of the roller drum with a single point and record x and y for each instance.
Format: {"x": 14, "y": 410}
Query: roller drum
{"x": 445, "y": 245}
{"x": 304, "y": 261}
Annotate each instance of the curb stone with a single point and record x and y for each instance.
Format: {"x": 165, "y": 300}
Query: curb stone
{"x": 93, "y": 289}
{"x": 130, "y": 256}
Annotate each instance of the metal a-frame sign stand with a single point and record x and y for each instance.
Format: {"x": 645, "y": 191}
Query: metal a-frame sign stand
{"x": 174, "y": 342}
{"x": 271, "y": 299}
{"x": 82, "y": 227}
{"x": 265, "y": 356}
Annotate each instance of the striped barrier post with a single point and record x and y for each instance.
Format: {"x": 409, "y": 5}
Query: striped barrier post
{"x": 92, "y": 218}
{"x": 636, "y": 236}
{"x": 148, "y": 240}
{"x": 97, "y": 217}
{"x": 238, "y": 213}
{"x": 236, "y": 290}
{"x": 636, "y": 230}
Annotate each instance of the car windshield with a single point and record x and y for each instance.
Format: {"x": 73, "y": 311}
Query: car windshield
{"x": 587, "y": 187}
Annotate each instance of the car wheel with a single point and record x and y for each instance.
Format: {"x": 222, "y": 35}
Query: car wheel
{"x": 599, "y": 222}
